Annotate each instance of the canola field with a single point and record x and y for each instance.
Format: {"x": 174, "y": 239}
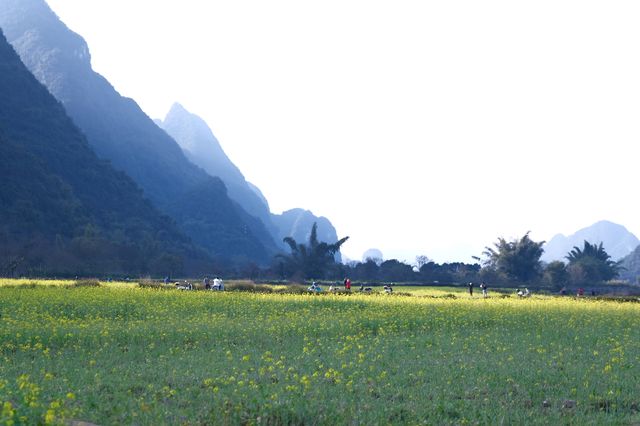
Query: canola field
{"x": 119, "y": 354}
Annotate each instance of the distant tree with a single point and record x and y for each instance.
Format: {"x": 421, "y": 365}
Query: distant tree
{"x": 313, "y": 259}
{"x": 394, "y": 270}
{"x": 448, "y": 273}
{"x": 429, "y": 273}
{"x": 556, "y": 274}
{"x": 591, "y": 264}
{"x": 367, "y": 271}
{"x": 420, "y": 261}
{"x": 465, "y": 272}
{"x": 519, "y": 259}
{"x": 493, "y": 276}
{"x": 352, "y": 264}
{"x": 433, "y": 273}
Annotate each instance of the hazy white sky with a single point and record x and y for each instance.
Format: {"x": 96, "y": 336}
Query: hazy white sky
{"x": 417, "y": 127}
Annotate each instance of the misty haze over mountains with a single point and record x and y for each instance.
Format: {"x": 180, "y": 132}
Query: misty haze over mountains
{"x": 201, "y": 146}
{"x": 616, "y": 239}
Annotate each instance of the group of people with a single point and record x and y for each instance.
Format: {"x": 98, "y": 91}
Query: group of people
{"x": 217, "y": 284}
{"x": 186, "y": 285}
{"x": 315, "y": 287}
{"x": 483, "y": 286}
{"x": 579, "y": 293}
{"x": 485, "y": 290}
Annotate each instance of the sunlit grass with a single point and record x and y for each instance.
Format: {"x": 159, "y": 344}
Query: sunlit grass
{"x": 26, "y": 282}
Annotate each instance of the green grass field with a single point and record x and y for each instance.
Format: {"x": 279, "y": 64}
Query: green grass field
{"x": 119, "y": 354}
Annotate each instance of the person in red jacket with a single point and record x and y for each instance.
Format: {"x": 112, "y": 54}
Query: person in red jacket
{"x": 347, "y": 284}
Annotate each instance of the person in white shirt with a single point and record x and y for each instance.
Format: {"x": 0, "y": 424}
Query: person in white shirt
{"x": 217, "y": 284}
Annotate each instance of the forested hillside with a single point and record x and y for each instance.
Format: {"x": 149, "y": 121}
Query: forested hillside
{"x": 64, "y": 211}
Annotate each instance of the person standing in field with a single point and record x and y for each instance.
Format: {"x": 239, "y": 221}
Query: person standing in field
{"x": 347, "y": 284}
{"x": 217, "y": 284}
{"x": 471, "y": 289}
{"x": 207, "y": 285}
{"x": 485, "y": 291}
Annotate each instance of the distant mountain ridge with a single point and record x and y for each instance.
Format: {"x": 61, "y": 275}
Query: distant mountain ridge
{"x": 202, "y": 147}
{"x": 62, "y": 210}
{"x": 630, "y": 267}
{"x": 118, "y": 130}
{"x": 616, "y": 239}
{"x": 297, "y": 223}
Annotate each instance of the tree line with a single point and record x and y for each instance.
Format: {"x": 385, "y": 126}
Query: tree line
{"x": 507, "y": 262}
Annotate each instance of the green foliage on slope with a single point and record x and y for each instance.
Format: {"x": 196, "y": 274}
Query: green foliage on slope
{"x": 64, "y": 211}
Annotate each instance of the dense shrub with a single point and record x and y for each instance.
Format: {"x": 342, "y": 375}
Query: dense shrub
{"x": 85, "y": 283}
{"x": 292, "y": 289}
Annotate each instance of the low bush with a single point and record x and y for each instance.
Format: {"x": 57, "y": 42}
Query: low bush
{"x": 292, "y": 289}
{"x": 85, "y": 283}
{"x": 240, "y": 286}
{"x": 146, "y": 283}
{"x": 249, "y": 286}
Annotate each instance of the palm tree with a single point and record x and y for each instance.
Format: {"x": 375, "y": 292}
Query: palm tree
{"x": 589, "y": 250}
{"x": 593, "y": 262}
{"x": 311, "y": 259}
{"x": 519, "y": 259}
